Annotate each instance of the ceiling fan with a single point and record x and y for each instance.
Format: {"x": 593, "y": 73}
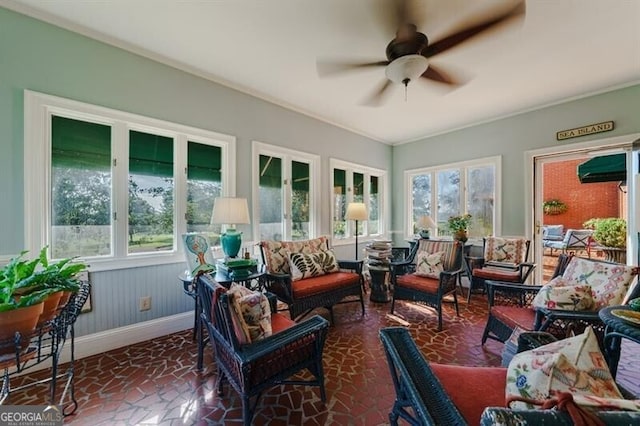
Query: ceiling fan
{"x": 409, "y": 54}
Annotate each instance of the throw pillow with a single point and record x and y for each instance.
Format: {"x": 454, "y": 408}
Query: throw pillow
{"x": 573, "y": 365}
{"x": 304, "y": 265}
{"x": 253, "y": 313}
{"x": 609, "y": 281}
{"x": 562, "y": 294}
{"x": 504, "y": 250}
{"x": 429, "y": 264}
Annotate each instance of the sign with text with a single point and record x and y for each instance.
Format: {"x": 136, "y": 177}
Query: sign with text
{"x": 606, "y": 126}
{"x": 31, "y": 415}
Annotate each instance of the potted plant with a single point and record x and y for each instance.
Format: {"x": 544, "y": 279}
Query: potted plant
{"x": 611, "y": 234}
{"x": 459, "y": 226}
{"x": 25, "y": 286}
{"x": 553, "y": 207}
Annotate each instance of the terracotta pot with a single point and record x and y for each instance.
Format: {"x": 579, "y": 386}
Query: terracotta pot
{"x": 461, "y": 235}
{"x": 50, "y": 307}
{"x": 23, "y": 320}
{"x": 66, "y": 295}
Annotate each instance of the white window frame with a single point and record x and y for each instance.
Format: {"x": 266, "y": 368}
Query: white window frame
{"x": 464, "y": 167}
{"x": 351, "y": 168}
{"x": 288, "y": 155}
{"x": 38, "y": 110}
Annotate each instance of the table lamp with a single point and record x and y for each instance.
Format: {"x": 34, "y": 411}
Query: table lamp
{"x": 356, "y": 211}
{"x": 425, "y": 225}
{"x": 230, "y": 211}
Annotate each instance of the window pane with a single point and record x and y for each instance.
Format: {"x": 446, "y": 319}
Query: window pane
{"x": 480, "y": 200}
{"x": 421, "y": 192}
{"x": 374, "y": 209}
{"x": 448, "y": 197}
{"x": 81, "y": 188}
{"x": 150, "y": 193}
{"x": 358, "y": 196}
{"x": 203, "y": 186}
{"x": 270, "y": 189}
{"x": 300, "y": 200}
{"x": 339, "y": 202}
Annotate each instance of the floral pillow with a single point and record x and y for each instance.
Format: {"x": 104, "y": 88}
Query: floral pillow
{"x": 562, "y": 294}
{"x": 609, "y": 281}
{"x": 504, "y": 250}
{"x": 429, "y": 264}
{"x": 304, "y": 265}
{"x": 252, "y": 313}
{"x": 573, "y": 365}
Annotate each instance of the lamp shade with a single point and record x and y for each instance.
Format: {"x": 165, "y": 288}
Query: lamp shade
{"x": 356, "y": 211}
{"x": 230, "y": 211}
{"x": 425, "y": 222}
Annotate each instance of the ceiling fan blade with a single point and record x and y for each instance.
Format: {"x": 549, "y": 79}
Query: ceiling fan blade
{"x": 329, "y": 68}
{"x": 464, "y": 35}
{"x": 438, "y": 75}
{"x": 377, "y": 97}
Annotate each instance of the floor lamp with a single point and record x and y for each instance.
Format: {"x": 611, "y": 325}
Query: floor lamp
{"x": 357, "y": 212}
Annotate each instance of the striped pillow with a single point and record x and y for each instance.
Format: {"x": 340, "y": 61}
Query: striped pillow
{"x": 448, "y": 248}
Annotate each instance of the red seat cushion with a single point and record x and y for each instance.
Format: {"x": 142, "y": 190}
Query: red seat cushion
{"x": 324, "y": 283}
{"x": 416, "y": 282}
{"x": 472, "y": 389}
{"x": 515, "y": 316}
{"x": 280, "y": 322}
{"x": 497, "y": 274}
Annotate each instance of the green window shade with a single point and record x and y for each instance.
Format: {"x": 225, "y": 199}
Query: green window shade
{"x": 358, "y": 187}
{"x": 80, "y": 144}
{"x": 300, "y": 176}
{"x": 150, "y": 154}
{"x": 204, "y": 162}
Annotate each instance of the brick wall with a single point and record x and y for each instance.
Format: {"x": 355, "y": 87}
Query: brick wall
{"x": 584, "y": 200}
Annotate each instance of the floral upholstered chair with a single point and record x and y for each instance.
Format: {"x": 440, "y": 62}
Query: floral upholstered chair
{"x": 568, "y": 303}
{"x": 504, "y": 259}
{"x": 305, "y": 275}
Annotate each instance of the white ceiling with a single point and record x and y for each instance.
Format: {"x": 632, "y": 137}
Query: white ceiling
{"x": 562, "y": 49}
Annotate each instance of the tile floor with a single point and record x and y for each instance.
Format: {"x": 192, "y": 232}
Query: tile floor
{"x": 156, "y": 382}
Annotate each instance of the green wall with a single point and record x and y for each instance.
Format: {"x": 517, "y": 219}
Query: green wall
{"x": 511, "y": 137}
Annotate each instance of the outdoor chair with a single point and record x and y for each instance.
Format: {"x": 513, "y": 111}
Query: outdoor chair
{"x": 254, "y": 367}
{"x": 318, "y": 280}
{"x": 428, "y": 275}
{"x": 437, "y": 394}
{"x": 510, "y": 305}
{"x": 504, "y": 259}
{"x": 574, "y": 240}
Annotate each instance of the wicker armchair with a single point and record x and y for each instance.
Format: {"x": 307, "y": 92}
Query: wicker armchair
{"x": 504, "y": 259}
{"x": 434, "y": 394}
{"x": 407, "y": 285}
{"x": 303, "y": 296}
{"x": 254, "y": 367}
{"x": 510, "y": 307}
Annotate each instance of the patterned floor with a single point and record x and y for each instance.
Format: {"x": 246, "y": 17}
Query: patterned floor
{"x": 156, "y": 382}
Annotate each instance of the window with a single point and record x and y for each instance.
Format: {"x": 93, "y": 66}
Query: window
{"x": 356, "y": 183}
{"x": 116, "y": 188}
{"x": 455, "y": 189}
{"x": 285, "y": 193}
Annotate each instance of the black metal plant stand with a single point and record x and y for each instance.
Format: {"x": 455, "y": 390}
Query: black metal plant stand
{"x": 46, "y": 344}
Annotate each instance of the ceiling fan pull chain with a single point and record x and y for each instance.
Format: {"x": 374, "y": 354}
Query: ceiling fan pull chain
{"x": 406, "y": 83}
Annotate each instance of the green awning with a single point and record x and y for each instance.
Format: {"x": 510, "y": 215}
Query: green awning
{"x": 606, "y": 168}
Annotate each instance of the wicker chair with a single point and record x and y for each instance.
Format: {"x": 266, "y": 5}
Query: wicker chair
{"x": 430, "y": 291}
{"x": 303, "y": 296}
{"x": 510, "y": 307}
{"x": 499, "y": 265}
{"x": 433, "y": 394}
{"x": 254, "y": 367}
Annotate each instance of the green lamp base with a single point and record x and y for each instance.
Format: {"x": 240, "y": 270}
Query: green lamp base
{"x": 231, "y": 242}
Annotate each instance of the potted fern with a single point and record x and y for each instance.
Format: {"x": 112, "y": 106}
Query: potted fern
{"x": 26, "y": 287}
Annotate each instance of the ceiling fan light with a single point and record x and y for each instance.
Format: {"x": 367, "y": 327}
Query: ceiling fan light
{"x": 406, "y": 68}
